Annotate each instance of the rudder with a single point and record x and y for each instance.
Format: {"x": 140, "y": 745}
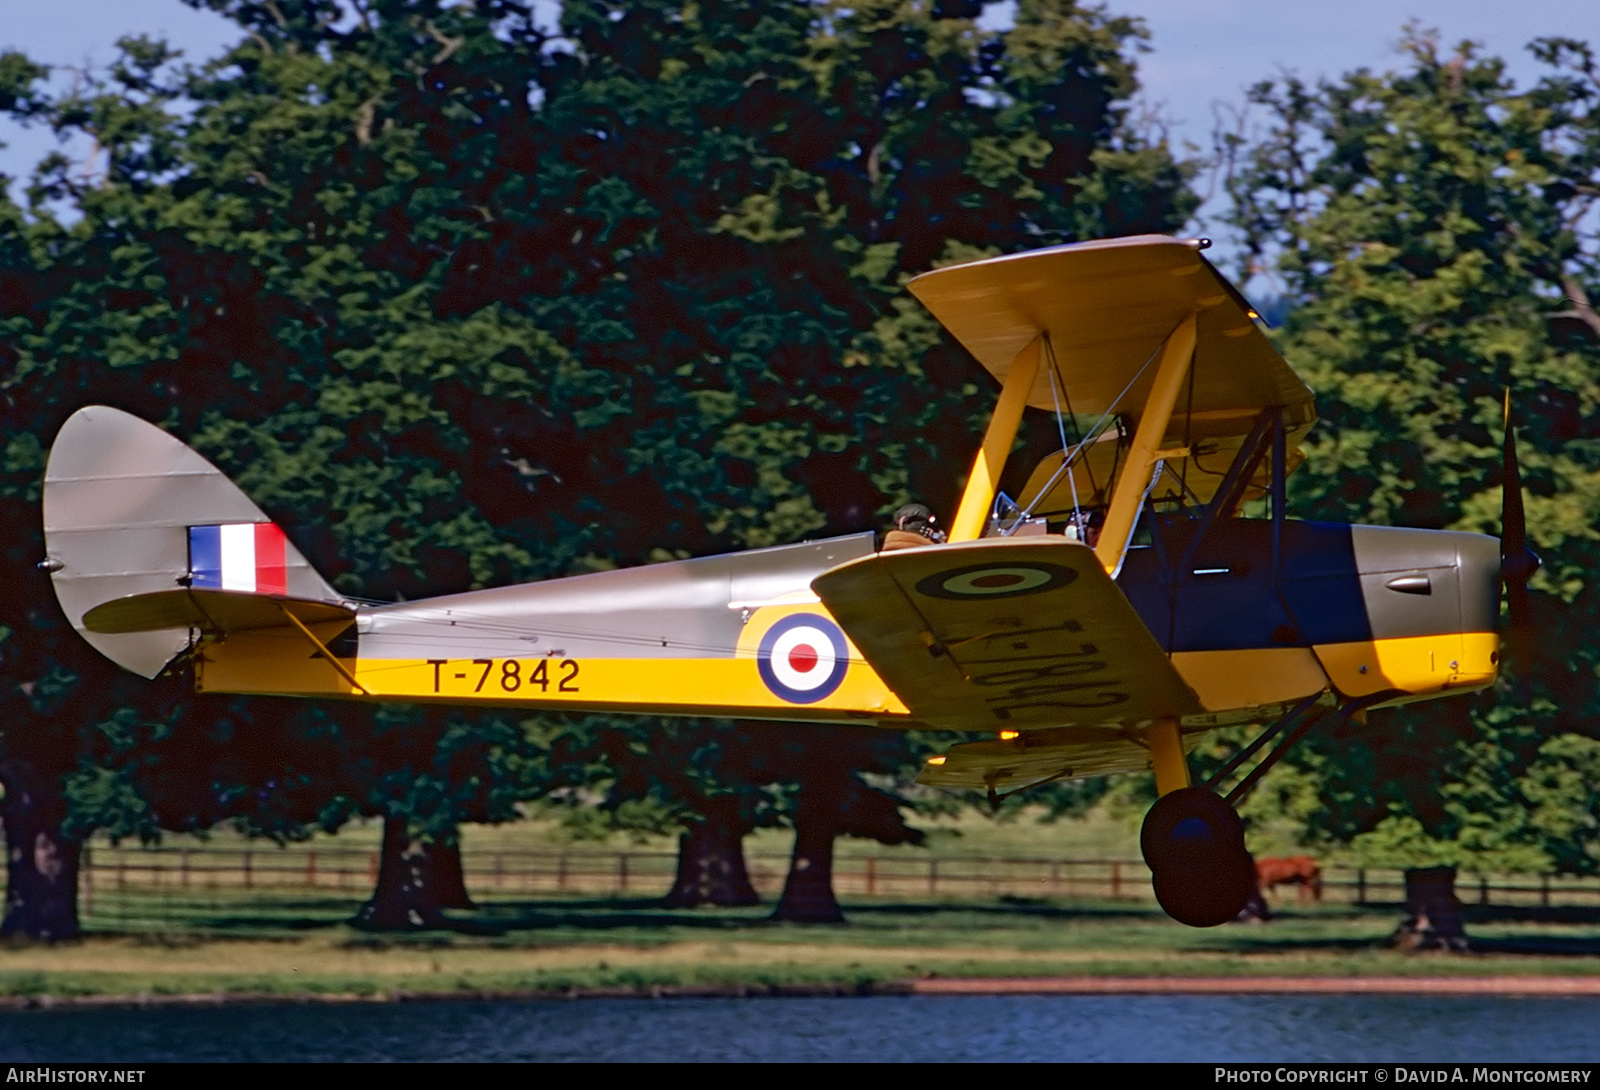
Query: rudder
{"x": 130, "y": 510}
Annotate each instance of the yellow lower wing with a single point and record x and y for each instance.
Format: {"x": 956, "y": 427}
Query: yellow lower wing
{"x": 1005, "y": 765}
{"x": 1005, "y": 634}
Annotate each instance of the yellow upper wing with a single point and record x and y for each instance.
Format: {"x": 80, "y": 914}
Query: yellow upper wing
{"x": 1005, "y": 633}
{"x": 1105, "y": 308}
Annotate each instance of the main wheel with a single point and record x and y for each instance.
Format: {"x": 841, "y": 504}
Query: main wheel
{"x": 1193, "y": 842}
{"x": 1190, "y": 828}
{"x": 1210, "y": 898}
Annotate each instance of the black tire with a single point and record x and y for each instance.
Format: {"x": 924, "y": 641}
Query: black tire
{"x": 1191, "y": 828}
{"x": 1193, "y": 842}
{"x": 1206, "y": 900}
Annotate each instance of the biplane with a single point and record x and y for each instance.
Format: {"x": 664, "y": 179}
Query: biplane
{"x": 1102, "y": 621}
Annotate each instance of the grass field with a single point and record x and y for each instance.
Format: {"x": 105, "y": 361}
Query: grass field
{"x": 232, "y": 941}
{"x": 287, "y": 945}
{"x": 970, "y": 834}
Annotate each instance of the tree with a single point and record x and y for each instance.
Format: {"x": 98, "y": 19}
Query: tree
{"x": 784, "y": 387}
{"x": 184, "y": 293}
{"x": 717, "y": 781}
{"x": 710, "y": 781}
{"x": 834, "y": 800}
{"x": 447, "y": 294}
{"x": 1433, "y": 233}
{"x": 53, "y": 695}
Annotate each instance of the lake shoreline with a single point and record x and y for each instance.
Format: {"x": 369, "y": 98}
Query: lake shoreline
{"x": 1502, "y": 986}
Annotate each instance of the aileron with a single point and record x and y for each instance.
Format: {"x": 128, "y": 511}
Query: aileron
{"x": 1004, "y": 633}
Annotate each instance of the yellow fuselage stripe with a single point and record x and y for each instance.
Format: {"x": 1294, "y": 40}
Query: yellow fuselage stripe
{"x": 1414, "y": 668}
{"x": 721, "y": 686}
{"x": 670, "y": 686}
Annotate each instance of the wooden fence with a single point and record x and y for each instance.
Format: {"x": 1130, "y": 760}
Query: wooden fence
{"x": 904, "y": 877}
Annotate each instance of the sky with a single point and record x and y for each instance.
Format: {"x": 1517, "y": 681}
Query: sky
{"x": 1202, "y": 53}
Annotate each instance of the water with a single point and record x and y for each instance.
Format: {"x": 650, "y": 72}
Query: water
{"x": 889, "y": 1028}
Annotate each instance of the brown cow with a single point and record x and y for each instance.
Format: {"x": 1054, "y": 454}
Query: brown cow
{"x": 1296, "y": 870}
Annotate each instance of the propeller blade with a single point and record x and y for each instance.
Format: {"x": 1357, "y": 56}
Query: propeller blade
{"x": 1513, "y": 520}
{"x": 1517, "y": 561}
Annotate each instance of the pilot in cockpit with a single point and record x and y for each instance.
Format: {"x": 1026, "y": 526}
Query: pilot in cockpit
{"x": 913, "y": 526}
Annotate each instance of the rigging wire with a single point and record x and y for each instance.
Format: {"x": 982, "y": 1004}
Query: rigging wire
{"x": 1188, "y": 423}
{"x": 1072, "y": 483}
{"x": 1092, "y": 434}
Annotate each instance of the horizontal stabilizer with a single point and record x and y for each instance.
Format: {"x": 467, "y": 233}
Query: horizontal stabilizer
{"x": 214, "y": 612}
{"x": 1005, "y": 633}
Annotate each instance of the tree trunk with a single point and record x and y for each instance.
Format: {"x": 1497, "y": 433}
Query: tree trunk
{"x": 808, "y": 890}
{"x": 408, "y": 895}
{"x": 711, "y": 869}
{"x": 449, "y": 880}
{"x": 1433, "y": 912}
{"x": 41, "y": 861}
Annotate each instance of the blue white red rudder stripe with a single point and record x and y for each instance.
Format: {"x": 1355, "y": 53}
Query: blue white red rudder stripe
{"x": 244, "y": 556}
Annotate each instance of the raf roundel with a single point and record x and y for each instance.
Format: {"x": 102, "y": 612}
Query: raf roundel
{"x": 802, "y": 658}
{"x": 996, "y": 580}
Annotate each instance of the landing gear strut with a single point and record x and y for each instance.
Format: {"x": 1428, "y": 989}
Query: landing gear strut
{"x": 1193, "y": 841}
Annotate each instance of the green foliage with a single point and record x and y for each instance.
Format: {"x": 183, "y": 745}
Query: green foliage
{"x": 1423, "y": 233}
{"x": 1563, "y": 789}
{"x": 1433, "y": 232}
{"x": 18, "y": 79}
{"x": 461, "y": 303}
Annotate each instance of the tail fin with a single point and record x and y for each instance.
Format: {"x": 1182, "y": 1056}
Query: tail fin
{"x": 147, "y": 542}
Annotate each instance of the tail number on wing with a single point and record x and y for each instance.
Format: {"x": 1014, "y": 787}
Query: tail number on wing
{"x": 1055, "y": 679}
{"x": 490, "y": 677}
